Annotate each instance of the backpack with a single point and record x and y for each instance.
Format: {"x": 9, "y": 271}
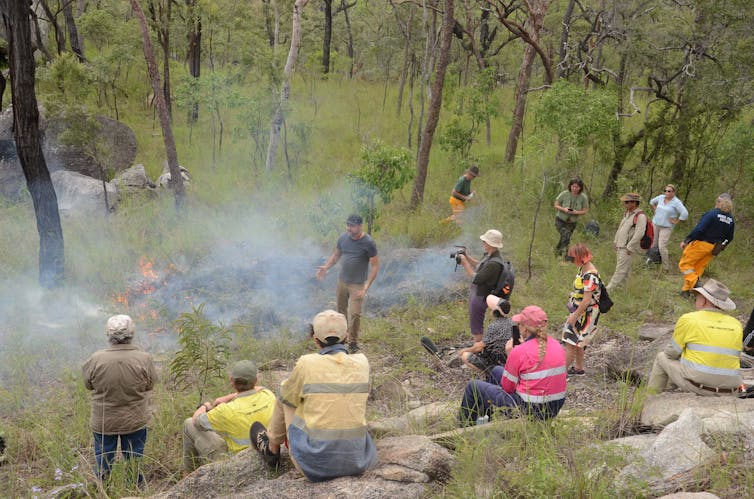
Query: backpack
{"x": 649, "y": 233}
{"x": 504, "y": 286}
{"x": 605, "y": 303}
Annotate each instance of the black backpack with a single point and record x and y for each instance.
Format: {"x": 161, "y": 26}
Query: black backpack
{"x": 605, "y": 303}
{"x": 506, "y": 280}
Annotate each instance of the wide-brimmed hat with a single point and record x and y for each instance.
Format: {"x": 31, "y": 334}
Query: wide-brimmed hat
{"x": 329, "y": 324}
{"x": 500, "y": 304}
{"x": 717, "y": 293}
{"x": 493, "y": 237}
{"x": 474, "y": 170}
{"x": 120, "y": 327}
{"x": 531, "y": 316}
{"x": 631, "y": 196}
{"x": 244, "y": 371}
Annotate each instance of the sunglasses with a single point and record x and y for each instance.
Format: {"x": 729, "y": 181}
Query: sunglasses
{"x": 351, "y": 224}
{"x": 668, "y": 190}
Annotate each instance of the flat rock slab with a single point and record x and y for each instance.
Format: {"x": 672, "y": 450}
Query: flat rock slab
{"x": 653, "y": 331}
{"x": 666, "y": 407}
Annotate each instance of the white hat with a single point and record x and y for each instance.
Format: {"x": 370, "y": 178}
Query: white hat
{"x": 328, "y": 324}
{"x": 493, "y": 237}
{"x": 717, "y": 293}
{"x": 120, "y": 327}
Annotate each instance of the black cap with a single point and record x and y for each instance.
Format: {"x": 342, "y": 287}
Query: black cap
{"x": 355, "y": 219}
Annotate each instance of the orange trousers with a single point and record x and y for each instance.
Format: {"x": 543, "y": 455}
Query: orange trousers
{"x": 695, "y": 258}
{"x": 457, "y": 206}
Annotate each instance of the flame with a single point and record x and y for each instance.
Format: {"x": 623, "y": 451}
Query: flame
{"x": 149, "y": 283}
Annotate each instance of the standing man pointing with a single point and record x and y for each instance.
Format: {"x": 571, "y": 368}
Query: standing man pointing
{"x": 359, "y": 252}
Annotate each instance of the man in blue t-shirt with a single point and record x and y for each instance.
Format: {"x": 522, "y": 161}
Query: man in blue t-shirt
{"x": 359, "y": 253}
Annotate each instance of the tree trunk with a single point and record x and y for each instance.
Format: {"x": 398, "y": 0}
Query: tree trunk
{"x": 39, "y": 42}
{"x": 176, "y": 179}
{"x": 429, "y": 32}
{"x": 285, "y": 91}
{"x": 435, "y": 103}
{"x": 564, "y": 36}
{"x": 53, "y": 19}
{"x": 77, "y": 42}
{"x": 328, "y": 37}
{"x": 194, "y": 36}
{"x": 28, "y": 142}
{"x": 406, "y": 59}
{"x": 349, "y": 31}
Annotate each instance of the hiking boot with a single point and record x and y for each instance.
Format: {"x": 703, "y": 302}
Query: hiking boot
{"x": 353, "y": 347}
{"x": 572, "y": 371}
{"x": 261, "y": 443}
{"x": 686, "y": 294}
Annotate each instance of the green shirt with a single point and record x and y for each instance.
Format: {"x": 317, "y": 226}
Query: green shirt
{"x": 568, "y": 200}
{"x": 463, "y": 186}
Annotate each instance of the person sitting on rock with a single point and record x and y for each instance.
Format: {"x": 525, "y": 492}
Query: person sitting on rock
{"x": 703, "y": 356}
{"x": 222, "y": 427}
{"x": 321, "y": 409}
{"x": 484, "y": 355}
{"x": 533, "y": 380}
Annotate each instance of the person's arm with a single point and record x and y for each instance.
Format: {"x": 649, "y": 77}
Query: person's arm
{"x": 749, "y": 334}
{"x": 469, "y": 264}
{"x": 510, "y": 379}
{"x": 633, "y": 245}
{"x": 488, "y": 274}
{"x": 86, "y": 371}
{"x": 224, "y": 399}
{"x": 291, "y": 388}
{"x": 698, "y": 232}
{"x": 458, "y": 195}
{"x": 374, "y": 267}
{"x": 477, "y": 347}
{"x": 576, "y": 314}
{"x": 677, "y": 343}
{"x": 683, "y": 213}
{"x": 201, "y": 410}
{"x": 330, "y": 263}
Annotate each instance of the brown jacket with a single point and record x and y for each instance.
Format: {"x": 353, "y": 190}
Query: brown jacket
{"x": 122, "y": 378}
{"x": 628, "y": 235}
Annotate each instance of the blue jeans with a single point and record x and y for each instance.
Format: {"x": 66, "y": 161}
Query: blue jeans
{"x": 131, "y": 446}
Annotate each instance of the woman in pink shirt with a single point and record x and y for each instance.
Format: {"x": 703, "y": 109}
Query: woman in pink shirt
{"x": 533, "y": 380}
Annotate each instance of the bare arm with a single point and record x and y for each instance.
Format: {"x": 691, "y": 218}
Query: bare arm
{"x": 330, "y": 263}
{"x": 374, "y": 267}
{"x": 458, "y": 195}
{"x": 469, "y": 264}
{"x": 477, "y": 347}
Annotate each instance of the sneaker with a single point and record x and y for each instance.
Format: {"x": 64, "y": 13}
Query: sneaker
{"x": 572, "y": 371}
{"x": 261, "y": 443}
{"x": 353, "y": 347}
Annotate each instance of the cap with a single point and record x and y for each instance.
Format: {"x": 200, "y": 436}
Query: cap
{"x": 474, "y": 170}
{"x": 120, "y": 327}
{"x": 355, "y": 219}
{"x": 244, "y": 370}
{"x": 329, "y": 324}
{"x": 531, "y": 316}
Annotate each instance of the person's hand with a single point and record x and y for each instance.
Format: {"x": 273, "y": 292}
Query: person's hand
{"x": 321, "y": 272}
{"x": 571, "y": 320}
{"x": 683, "y": 244}
{"x": 360, "y": 293}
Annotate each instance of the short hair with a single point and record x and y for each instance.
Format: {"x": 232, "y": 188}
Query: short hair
{"x": 580, "y": 253}
{"x": 243, "y": 385}
{"x": 724, "y": 202}
{"x": 577, "y": 181}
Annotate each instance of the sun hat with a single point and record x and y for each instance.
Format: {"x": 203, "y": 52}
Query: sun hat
{"x": 500, "y": 304}
{"x": 474, "y": 170}
{"x": 530, "y": 316}
{"x": 493, "y": 237}
{"x": 120, "y": 327}
{"x": 330, "y": 324}
{"x": 717, "y": 293}
{"x": 631, "y": 196}
{"x": 244, "y": 371}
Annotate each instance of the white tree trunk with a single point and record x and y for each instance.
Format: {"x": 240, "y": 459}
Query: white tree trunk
{"x": 285, "y": 91}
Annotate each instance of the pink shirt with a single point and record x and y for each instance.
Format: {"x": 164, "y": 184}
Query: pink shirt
{"x": 536, "y": 382}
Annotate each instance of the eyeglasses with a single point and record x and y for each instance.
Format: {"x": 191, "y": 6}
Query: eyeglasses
{"x": 668, "y": 190}
{"x": 627, "y": 202}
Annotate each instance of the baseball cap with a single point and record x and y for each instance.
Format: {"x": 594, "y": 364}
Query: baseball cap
{"x": 245, "y": 371}
{"x": 330, "y": 324}
{"x": 530, "y": 316}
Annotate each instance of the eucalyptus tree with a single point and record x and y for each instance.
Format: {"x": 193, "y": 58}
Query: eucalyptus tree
{"x": 28, "y": 141}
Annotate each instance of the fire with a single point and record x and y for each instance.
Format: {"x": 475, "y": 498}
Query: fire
{"x": 132, "y": 298}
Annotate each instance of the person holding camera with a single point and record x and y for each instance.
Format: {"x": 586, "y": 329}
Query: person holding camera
{"x": 492, "y": 351}
{"x": 485, "y": 274}
{"x": 570, "y": 205}
{"x": 583, "y": 305}
{"x": 533, "y": 380}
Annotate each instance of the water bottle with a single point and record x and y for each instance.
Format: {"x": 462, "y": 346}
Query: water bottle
{"x": 482, "y": 420}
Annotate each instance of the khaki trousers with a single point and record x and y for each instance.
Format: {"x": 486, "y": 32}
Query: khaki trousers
{"x": 665, "y": 369}
{"x": 350, "y": 306}
{"x": 662, "y": 236}
{"x": 201, "y": 447}
{"x": 278, "y": 429}
{"x": 622, "y": 269}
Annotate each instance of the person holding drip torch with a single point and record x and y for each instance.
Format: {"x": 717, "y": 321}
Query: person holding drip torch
{"x": 461, "y": 194}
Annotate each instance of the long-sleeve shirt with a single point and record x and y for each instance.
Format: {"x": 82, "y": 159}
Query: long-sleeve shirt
{"x": 665, "y": 211}
{"x": 715, "y": 226}
{"x": 328, "y": 435}
{"x": 629, "y": 234}
{"x": 708, "y": 342}
{"x": 534, "y": 381}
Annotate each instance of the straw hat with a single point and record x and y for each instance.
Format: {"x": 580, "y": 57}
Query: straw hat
{"x": 631, "y": 196}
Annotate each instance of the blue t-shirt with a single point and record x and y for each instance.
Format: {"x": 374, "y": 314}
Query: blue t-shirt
{"x": 665, "y": 211}
{"x": 354, "y": 258}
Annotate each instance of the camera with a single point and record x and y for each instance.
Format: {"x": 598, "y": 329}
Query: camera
{"x": 457, "y": 253}
{"x": 516, "y": 335}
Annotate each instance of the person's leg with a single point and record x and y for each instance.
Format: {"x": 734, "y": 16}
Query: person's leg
{"x": 696, "y": 255}
{"x": 477, "y": 309}
{"x": 661, "y": 241}
{"x": 354, "y": 313}
{"x": 201, "y": 447}
{"x": 474, "y": 362}
{"x": 480, "y": 398}
{"x": 622, "y": 268}
{"x": 277, "y": 430}
{"x": 565, "y": 229}
{"x": 495, "y": 375}
{"x": 132, "y": 447}
{"x": 105, "y": 447}
{"x": 341, "y": 298}
{"x": 672, "y": 368}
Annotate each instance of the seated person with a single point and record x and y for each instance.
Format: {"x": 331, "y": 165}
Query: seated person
{"x": 749, "y": 335}
{"x": 321, "y": 409}
{"x": 533, "y": 380}
{"x": 222, "y": 427}
{"x": 483, "y": 355}
{"x": 703, "y": 357}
